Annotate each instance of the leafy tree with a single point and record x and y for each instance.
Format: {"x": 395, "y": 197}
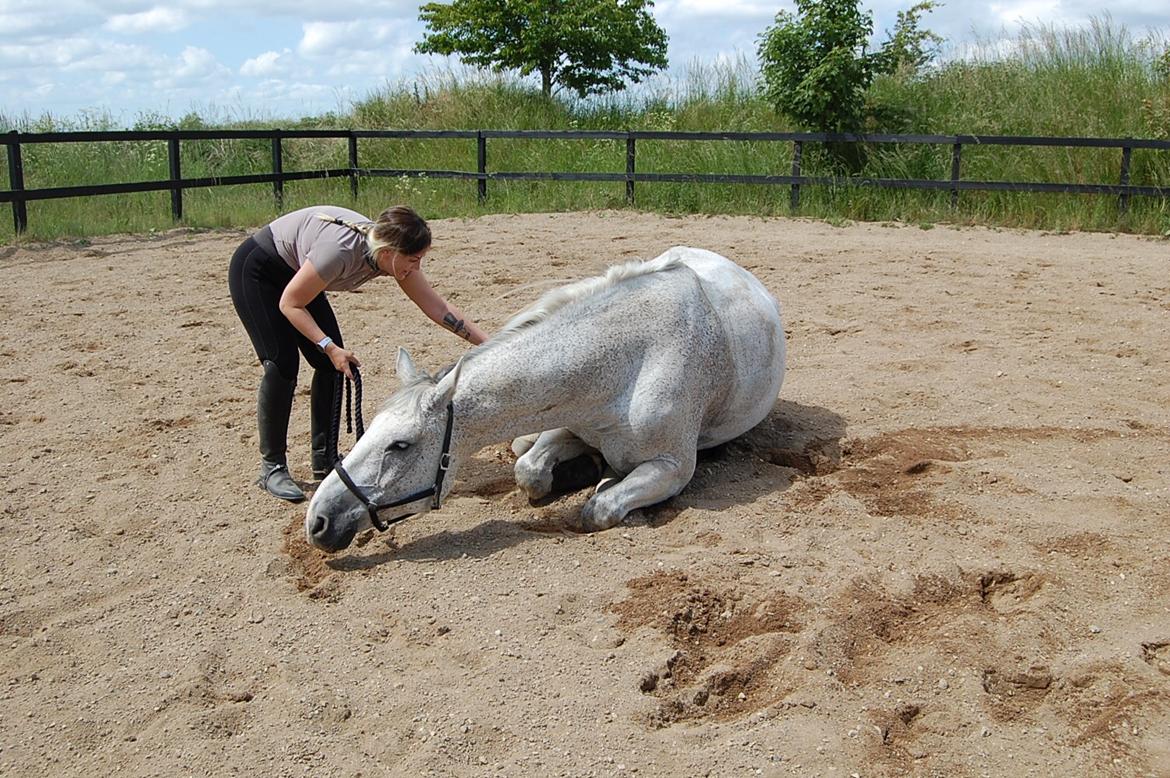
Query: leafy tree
{"x": 589, "y": 47}
{"x": 910, "y": 48}
{"x": 816, "y": 67}
{"x": 1162, "y": 65}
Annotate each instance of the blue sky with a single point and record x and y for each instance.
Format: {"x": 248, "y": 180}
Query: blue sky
{"x": 289, "y": 58}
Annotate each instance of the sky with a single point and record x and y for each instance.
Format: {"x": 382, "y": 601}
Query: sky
{"x": 267, "y": 59}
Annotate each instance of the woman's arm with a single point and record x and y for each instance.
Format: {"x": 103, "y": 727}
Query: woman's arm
{"x": 438, "y": 310}
{"x": 301, "y": 290}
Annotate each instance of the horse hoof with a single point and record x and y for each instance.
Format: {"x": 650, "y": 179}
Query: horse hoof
{"x": 609, "y": 478}
{"x": 595, "y": 517}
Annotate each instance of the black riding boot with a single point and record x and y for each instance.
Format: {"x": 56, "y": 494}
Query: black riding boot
{"x": 273, "y": 407}
{"x": 321, "y": 420}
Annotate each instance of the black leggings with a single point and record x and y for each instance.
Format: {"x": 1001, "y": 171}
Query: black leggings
{"x": 256, "y": 280}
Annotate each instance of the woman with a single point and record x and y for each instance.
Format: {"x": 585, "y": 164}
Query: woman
{"x": 278, "y": 279}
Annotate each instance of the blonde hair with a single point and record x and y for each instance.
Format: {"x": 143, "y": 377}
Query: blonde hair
{"x": 399, "y": 228}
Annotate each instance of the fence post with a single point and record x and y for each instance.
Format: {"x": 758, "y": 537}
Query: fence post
{"x": 794, "y": 195}
{"x": 353, "y": 166}
{"x": 1123, "y": 198}
{"x": 16, "y": 183}
{"x": 956, "y": 161}
{"x": 630, "y": 167}
{"x": 481, "y": 166}
{"x": 277, "y": 171}
{"x": 176, "y": 170}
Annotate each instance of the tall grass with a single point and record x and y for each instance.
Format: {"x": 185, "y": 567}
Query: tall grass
{"x": 1097, "y": 81}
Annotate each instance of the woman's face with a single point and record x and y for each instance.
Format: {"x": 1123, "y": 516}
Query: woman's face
{"x": 399, "y": 265}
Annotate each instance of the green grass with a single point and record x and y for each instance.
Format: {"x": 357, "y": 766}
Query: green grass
{"x": 1100, "y": 81}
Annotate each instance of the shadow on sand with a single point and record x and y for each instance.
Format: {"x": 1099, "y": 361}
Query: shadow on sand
{"x": 793, "y": 441}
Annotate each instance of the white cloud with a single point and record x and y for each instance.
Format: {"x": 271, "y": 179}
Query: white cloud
{"x": 197, "y": 64}
{"x": 1027, "y": 11}
{"x": 340, "y": 39}
{"x": 730, "y": 9}
{"x": 157, "y": 19}
{"x": 261, "y": 65}
{"x": 386, "y": 60}
{"x": 310, "y": 10}
{"x": 319, "y": 39}
{"x": 69, "y": 54}
{"x": 90, "y": 58}
{"x": 18, "y": 24}
{"x": 293, "y": 57}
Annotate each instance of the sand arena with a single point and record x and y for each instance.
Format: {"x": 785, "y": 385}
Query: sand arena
{"x": 945, "y": 552}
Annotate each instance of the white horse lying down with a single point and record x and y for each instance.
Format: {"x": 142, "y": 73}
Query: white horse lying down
{"x": 646, "y": 365}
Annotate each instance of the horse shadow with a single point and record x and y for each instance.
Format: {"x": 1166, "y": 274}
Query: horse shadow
{"x": 478, "y": 542}
{"x": 795, "y": 440}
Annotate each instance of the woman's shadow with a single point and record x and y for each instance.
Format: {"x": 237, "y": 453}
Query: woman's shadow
{"x": 793, "y": 441}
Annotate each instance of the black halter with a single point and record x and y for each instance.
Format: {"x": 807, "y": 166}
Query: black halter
{"x": 372, "y": 508}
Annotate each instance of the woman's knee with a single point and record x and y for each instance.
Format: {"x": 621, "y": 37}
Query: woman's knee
{"x": 280, "y": 370}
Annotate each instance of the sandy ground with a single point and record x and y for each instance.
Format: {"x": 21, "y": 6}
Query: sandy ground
{"x": 944, "y": 553}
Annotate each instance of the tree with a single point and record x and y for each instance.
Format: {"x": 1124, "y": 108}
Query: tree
{"x": 816, "y": 68}
{"x": 814, "y": 63}
{"x": 587, "y": 47}
{"x": 909, "y": 48}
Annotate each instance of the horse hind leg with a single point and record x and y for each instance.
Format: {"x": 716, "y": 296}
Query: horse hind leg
{"x": 649, "y": 483}
{"x": 557, "y": 462}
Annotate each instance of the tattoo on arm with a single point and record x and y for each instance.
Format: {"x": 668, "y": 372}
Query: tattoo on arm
{"x": 456, "y": 325}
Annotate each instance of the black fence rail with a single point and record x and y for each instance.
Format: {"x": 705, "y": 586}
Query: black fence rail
{"x": 19, "y": 196}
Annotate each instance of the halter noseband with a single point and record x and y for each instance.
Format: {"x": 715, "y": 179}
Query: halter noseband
{"x": 435, "y": 490}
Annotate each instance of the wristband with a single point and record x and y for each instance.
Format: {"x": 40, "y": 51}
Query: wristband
{"x": 324, "y": 343}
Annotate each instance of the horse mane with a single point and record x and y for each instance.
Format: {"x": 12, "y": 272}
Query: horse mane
{"x": 409, "y": 393}
{"x": 548, "y": 304}
{"x": 552, "y": 301}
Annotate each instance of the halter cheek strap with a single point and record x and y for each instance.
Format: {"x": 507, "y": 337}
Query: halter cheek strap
{"x": 435, "y": 491}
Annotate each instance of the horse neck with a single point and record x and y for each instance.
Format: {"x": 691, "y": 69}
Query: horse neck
{"x": 516, "y": 388}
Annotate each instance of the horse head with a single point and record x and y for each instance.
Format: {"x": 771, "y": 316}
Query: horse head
{"x": 401, "y": 466}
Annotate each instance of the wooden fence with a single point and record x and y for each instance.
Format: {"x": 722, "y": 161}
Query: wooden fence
{"x": 19, "y": 196}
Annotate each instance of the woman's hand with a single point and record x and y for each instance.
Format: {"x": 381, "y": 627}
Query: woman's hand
{"x": 342, "y": 359}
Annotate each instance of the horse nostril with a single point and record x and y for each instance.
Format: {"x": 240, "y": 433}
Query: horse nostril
{"x": 320, "y": 525}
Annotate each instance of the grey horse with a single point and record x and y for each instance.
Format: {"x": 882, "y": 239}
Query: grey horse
{"x": 642, "y": 366}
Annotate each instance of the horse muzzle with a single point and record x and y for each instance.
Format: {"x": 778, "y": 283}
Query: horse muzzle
{"x": 332, "y": 533}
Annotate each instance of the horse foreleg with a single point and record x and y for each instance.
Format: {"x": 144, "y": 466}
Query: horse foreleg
{"x": 557, "y": 461}
{"x": 648, "y": 483}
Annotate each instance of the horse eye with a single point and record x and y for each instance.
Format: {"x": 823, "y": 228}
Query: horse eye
{"x": 399, "y": 445}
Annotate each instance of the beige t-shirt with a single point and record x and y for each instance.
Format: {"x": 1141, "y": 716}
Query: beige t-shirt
{"x": 336, "y": 252}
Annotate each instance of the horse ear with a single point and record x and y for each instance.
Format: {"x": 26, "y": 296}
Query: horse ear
{"x": 445, "y": 389}
{"x": 405, "y": 367}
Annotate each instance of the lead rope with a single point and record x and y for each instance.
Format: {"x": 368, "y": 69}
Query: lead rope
{"x": 352, "y": 413}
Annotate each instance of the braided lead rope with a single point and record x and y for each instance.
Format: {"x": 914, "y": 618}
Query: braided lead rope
{"x": 335, "y": 422}
{"x": 357, "y": 408}
{"x": 352, "y": 412}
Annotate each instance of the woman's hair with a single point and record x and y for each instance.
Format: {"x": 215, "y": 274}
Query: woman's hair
{"x": 399, "y": 228}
